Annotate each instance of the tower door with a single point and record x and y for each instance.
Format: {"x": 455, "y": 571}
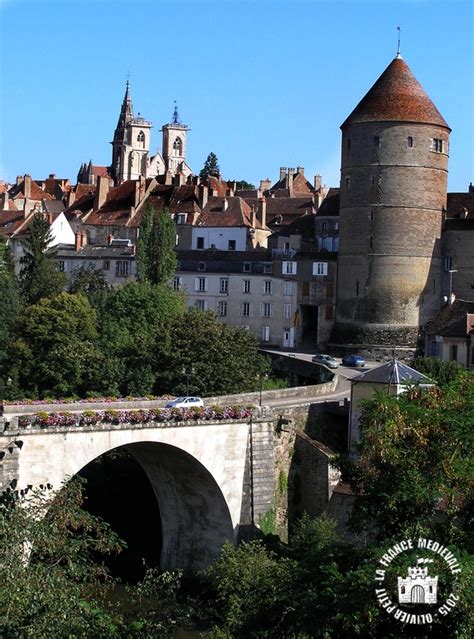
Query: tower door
{"x": 417, "y": 594}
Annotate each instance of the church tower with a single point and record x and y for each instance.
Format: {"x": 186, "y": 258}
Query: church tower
{"x": 394, "y": 169}
{"x": 131, "y": 143}
{"x": 174, "y": 145}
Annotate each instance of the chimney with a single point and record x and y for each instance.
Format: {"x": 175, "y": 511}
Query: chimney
{"x": 291, "y": 173}
{"x": 101, "y": 191}
{"x": 52, "y": 176}
{"x": 139, "y": 190}
{"x": 4, "y": 200}
{"x": 262, "y": 211}
{"x": 282, "y": 173}
{"x": 70, "y": 198}
{"x": 27, "y": 186}
{"x": 265, "y": 185}
{"x": 225, "y": 205}
{"x": 203, "y": 195}
{"x": 19, "y": 180}
{"x": 300, "y": 170}
{"x": 78, "y": 243}
{"x": 168, "y": 178}
{"x": 317, "y": 182}
{"x": 253, "y": 218}
{"x": 232, "y": 184}
{"x": 471, "y": 188}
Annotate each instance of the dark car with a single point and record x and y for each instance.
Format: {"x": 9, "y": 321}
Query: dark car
{"x": 353, "y": 360}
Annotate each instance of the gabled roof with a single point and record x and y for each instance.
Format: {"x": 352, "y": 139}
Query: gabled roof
{"x": 304, "y": 226}
{"x": 283, "y": 211}
{"x": 459, "y": 204}
{"x": 393, "y": 372}
{"x": 11, "y": 222}
{"x": 455, "y": 320}
{"x": 238, "y": 213}
{"x": 54, "y": 206}
{"x": 330, "y": 205}
{"x": 396, "y": 96}
{"x": 36, "y": 193}
{"x": 301, "y": 187}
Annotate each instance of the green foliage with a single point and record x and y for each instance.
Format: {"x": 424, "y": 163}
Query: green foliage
{"x": 56, "y": 351}
{"x": 47, "y": 567}
{"x": 267, "y": 521}
{"x": 87, "y": 279}
{"x": 436, "y": 369}
{"x": 205, "y": 357}
{"x": 416, "y": 453}
{"x": 211, "y": 167}
{"x": 243, "y": 185}
{"x": 39, "y": 276}
{"x": 156, "y": 256}
{"x": 282, "y": 482}
{"x": 9, "y": 306}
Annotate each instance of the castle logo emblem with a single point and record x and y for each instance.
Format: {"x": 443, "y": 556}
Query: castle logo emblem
{"x": 416, "y": 588}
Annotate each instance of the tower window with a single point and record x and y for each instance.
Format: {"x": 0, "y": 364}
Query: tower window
{"x": 410, "y": 142}
{"x": 178, "y": 146}
{"x": 141, "y": 140}
{"x": 376, "y": 141}
{"x": 348, "y": 181}
{"x": 349, "y": 144}
{"x": 357, "y": 287}
{"x": 437, "y": 145}
{"x": 371, "y": 242}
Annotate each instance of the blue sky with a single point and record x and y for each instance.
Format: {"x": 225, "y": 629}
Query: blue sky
{"x": 263, "y": 84}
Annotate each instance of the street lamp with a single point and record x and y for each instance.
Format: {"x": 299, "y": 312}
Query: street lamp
{"x": 3, "y": 385}
{"x": 451, "y": 271}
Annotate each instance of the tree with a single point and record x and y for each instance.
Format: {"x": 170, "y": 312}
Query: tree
{"x": 9, "y": 305}
{"x": 56, "y": 352}
{"x": 211, "y": 167}
{"x": 243, "y": 185}
{"x": 436, "y": 369}
{"x": 52, "y": 593}
{"x": 413, "y": 471}
{"x": 87, "y": 279}
{"x": 39, "y": 276}
{"x": 206, "y": 357}
{"x": 156, "y": 256}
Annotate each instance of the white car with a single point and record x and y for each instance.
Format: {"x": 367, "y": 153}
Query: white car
{"x": 186, "y": 402}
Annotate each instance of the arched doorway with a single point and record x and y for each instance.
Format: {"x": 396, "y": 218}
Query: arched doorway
{"x": 417, "y": 594}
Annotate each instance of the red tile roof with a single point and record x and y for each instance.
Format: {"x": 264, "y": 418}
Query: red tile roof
{"x": 396, "y": 96}
{"x": 459, "y": 203}
{"x": 36, "y": 193}
{"x": 10, "y": 222}
{"x": 100, "y": 170}
{"x": 238, "y": 213}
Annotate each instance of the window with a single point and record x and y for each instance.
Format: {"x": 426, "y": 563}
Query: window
{"x": 448, "y": 263}
{"x": 106, "y": 265}
{"x": 287, "y": 311}
{"x": 287, "y": 288}
{"x": 224, "y": 285}
{"x": 178, "y": 146}
{"x": 246, "y": 309}
{"x": 247, "y": 267}
{"x": 246, "y": 286}
{"x": 200, "y": 284}
{"x": 410, "y": 142}
{"x": 200, "y": 243}
{"x": 61, "y": 266}
{"x": 287, "y": 246}
{"x": 336, "y": 226}
{"x": 348, "y": 181}
{"x": 376, "y": 141}
{"x": 202, "y": 266}
{"x": 222, "y": 309}
{"x": 437, "y": 145}
{"x": 181, "y": 219}
{"x": 267, "y": 287}
{"x": 357, "y": 287}
{"x": 141, "y": 140}
{"x": 329, "y": 290}
{"x": 454, "y": 352}
{"x": 371, "y": 242}
{"x": 121, "y": 268}
{"x": 320, "y": 268}
{"x": 324, "y": 226}
{"x": 231, "y": 245}
{"x": 371, "y": 216}
{"x": 177, "y": 283}
{"x": 265, "y": 333}
{"x": 267, "y": 269}
{"x": 266, "y": 309}
{"x": 201, "y": 305}
{"x": 288, "y": 268}
{"x": 348, "y": 144}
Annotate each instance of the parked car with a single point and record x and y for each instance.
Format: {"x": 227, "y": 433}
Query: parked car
{"x": 327, "y": 360}
{"x": 353, "y": 360}
{"x": 186, "y": 402}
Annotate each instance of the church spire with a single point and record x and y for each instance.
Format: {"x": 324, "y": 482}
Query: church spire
{"x": 126, "y": 112}
{"x": 175, "y": 119}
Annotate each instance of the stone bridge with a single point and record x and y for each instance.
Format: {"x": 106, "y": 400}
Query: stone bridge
{"x": 212, "y": 480}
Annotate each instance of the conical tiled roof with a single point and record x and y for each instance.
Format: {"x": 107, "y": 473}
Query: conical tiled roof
{"x": 396, "y": 96}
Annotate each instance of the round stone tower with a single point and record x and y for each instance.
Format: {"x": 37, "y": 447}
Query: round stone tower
{"x": 394, "y": 171}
